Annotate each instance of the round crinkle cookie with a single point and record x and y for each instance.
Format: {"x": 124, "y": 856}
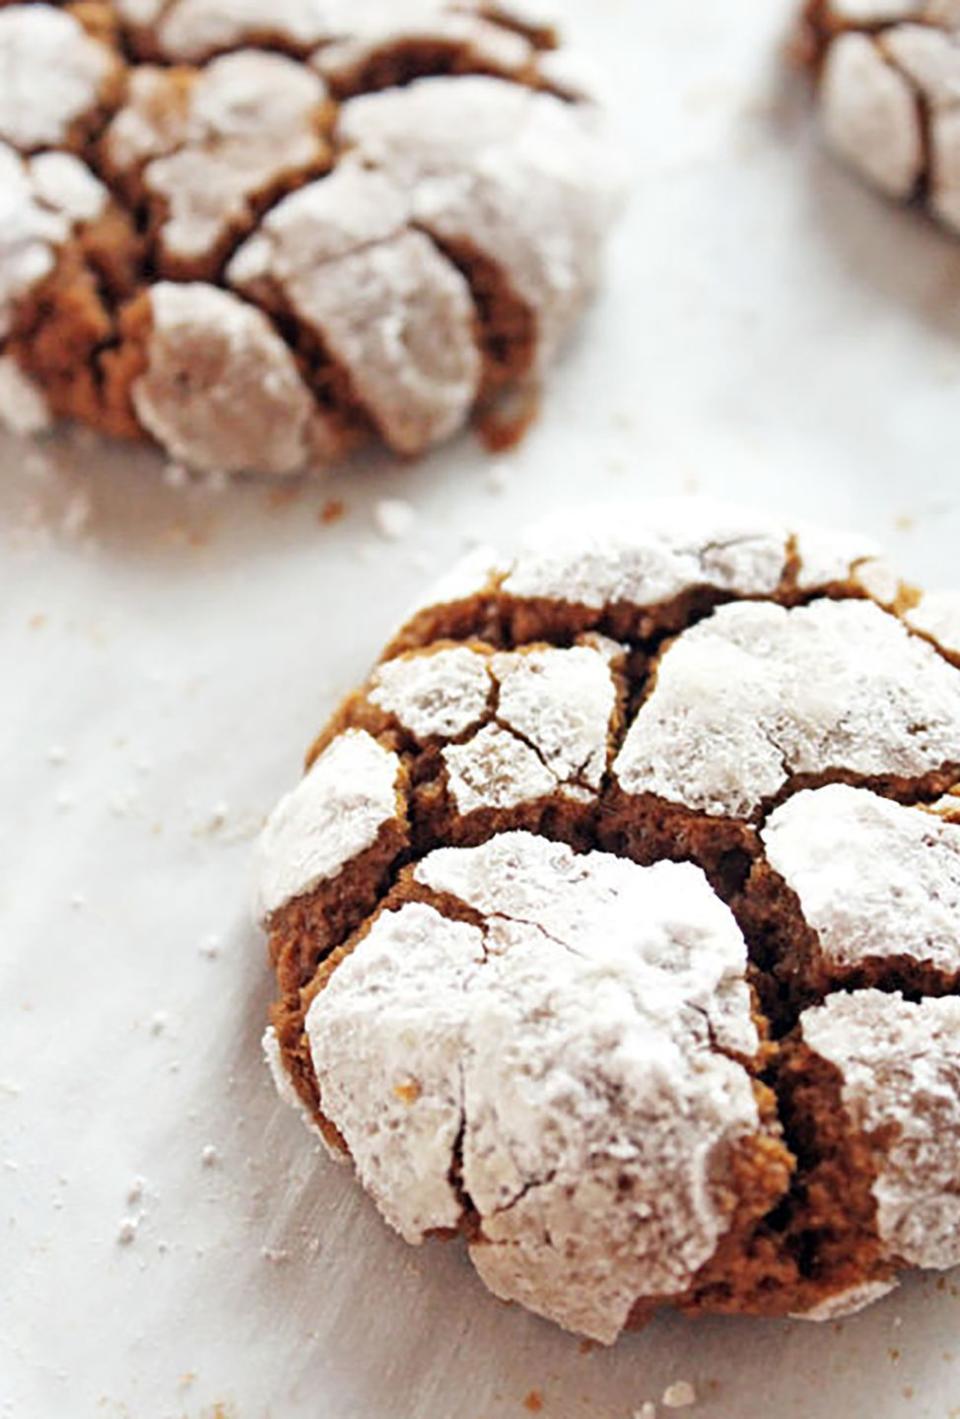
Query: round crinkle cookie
{"x": 616, "y": 921}
{"x": 888, "y": 89}
{"x": 262, "y": 234}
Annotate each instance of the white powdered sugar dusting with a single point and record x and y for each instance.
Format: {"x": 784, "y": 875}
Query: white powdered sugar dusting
{"x": 553, "y": 715}
{"x": 42, "y": 199}
{"x": 567, "y": 1041}
{"x": 848, "y": 1302}
{"x": 870, "y": 115}
{"x": 643, "y": 554}
{"x": 342, "y": 256}
{"x": 900, "y": 1065}
{"x": 36, "y": 43}
{"x": 440, "y": 694}
{"x": 249, "y": 120}
{"x": 498, "y": 169}
{"x": 288, "y": 1094}
{"x": 937, "y": 616}
{"x": 334, "y": 814}
{"x": 495, "y": 770}
{"x": 23, "y": 407}
{"x": 221, "y": 390}
{"x": 757, "y": 693}
{"x": 375, "y": 28}
{"x": 875, "y": 879}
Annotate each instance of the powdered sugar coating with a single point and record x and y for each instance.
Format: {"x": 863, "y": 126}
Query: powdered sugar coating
{"x": 849, "y": 1302}
{"x": 875, "y": 879}
{"x": 23, "y": 408}
{"x": 937, "y": 616}
{"x": 870, "y": 115}
{"x": 757, "y": 693}
{"x": 435, "y": 696}
{"x": 345, "y": 33}
{"x": 384, "y": 24}
{"x": 553, "y": 714}
{"x": 42, "y": 200}
{"x": 567, "y": 1037}
{"x": 248, "y": 121}
{"x": 647, "y": 553}
{"x": 900, "y": 1065}
{"x": 496, "y": 168}
{"x": 335, "y": 813}
{"x": 36, "y": 43}
{"x": 221, "y": 391}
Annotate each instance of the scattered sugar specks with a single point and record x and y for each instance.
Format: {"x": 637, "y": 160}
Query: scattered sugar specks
{"x": 56, "y": 755}
{"x": 210, "y": 947}
{"x": 277, "y": 1256}
{"x": 65, "y": 802}
{"x": 158, "y": 1022}
{"x": 680, "y": 1395}
{"x": 393, "y": 518}
{"x": 647, "y": 1410}
{"x": 127, "y": 1231}
{"x": 78, "y": 901}
{"x": 175, "y": 475}
{"x": 209, "y": 1156}
{"x": 135, "y": 1191}
{"x": 498, "y": 476}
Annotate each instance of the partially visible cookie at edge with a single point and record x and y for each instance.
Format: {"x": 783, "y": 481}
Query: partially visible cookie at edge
{"x": 397, "y": 210}
{"x": 887, "y": 75}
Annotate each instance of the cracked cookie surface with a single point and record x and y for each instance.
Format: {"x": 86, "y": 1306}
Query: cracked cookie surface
{"x": 612, "y": 908}
{"x": 888, "y": 91}
{"x": 317, "y": 189}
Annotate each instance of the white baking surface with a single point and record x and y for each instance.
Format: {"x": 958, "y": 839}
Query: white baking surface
{"x": 768, "y": 332}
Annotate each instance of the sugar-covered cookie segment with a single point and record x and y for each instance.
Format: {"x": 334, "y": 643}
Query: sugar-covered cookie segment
{"x": 371, "y": 43}
{"x": 888, "y": 82}
{"x": 899, "y": 1068}
{"x": 869, "y": 114}
{"x": 42, "y": 201}
{"x": 54, "y": 77}
{"x": 757, "y": 694}
{"x": 499, "y": 173}
{"x": 571, "y": 1038}
{"x": 207, "y": 148}
{"x": 341, "y": 258}
{"x": 937, "y": 616}
{"x": 875, "y": 880}
{"x": 220, "y": 389}
{"x": 335, "y": 814}
{"x": 437, "y": 695}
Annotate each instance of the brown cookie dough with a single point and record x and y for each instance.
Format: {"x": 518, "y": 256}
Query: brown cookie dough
{"x": 888, "y": 79}
{"x": 263, "y": 234}
{"x": 616, "y": 921}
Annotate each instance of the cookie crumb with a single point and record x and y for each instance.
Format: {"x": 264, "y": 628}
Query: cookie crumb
{"x": 533, "y": 1401}
{"x": 135, "y": 1190}
{"x": 393, "y": 518}
{"x": 408, "y": 1091}
{"x": 158, "y": 1022}
{"x": 210, "y": 1156}
{"x": 647, "y": 1410}
{"x": 332, "y": 511}
{"x": 680, "y": 1395}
